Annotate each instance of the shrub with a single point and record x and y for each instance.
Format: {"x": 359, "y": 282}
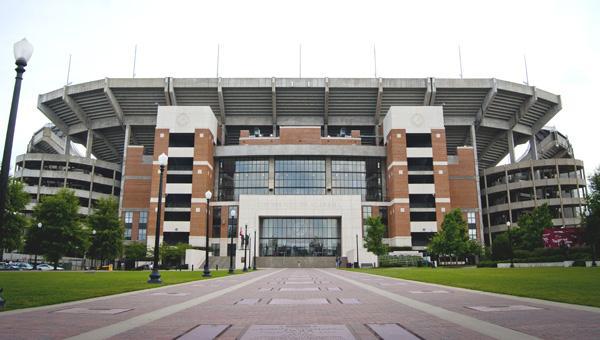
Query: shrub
{"x": 400, "y": 261}
{"x": 579, "y": 263}
{"x": 487, "y": 264}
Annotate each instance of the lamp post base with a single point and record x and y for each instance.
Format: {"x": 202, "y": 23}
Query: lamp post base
{"x": 231, "y": 271}
{"x": 206, "y": 272}
{"x": 155, "y": 277}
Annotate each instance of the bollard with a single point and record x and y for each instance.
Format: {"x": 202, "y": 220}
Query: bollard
{"x": 2, "y": 301}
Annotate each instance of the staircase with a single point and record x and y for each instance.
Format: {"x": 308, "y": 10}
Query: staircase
{"x": 221, "y": 261}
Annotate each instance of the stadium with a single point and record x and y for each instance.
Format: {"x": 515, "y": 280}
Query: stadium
{"x": 301, "y": 162}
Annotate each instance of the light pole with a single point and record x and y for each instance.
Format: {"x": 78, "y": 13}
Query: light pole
{"x": 231, "y": 245}
{"x": 155, "y": 275}
{"x": 208, "y": 196}
{"x": 254, "y": 257}
{"x": 39, "y": 225}
{"x": 23, "y": 51}
{"x": 245, "y": 242}
{"x": 357, "y": 260}
{"x": 512, "y": 265}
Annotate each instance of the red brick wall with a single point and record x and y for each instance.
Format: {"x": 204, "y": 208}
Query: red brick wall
{"x": 202, "y": 181}
{"x": 463, "y": 184}
{"x": 299, "y": 135}
{"x": 397, "y": 183}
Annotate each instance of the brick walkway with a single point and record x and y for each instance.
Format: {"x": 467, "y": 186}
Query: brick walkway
{"x": 304, "y": 304}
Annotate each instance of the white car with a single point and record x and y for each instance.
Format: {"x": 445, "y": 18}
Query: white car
{"x": 45, "y": 266}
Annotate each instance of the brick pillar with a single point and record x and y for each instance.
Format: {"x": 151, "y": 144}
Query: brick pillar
{"x": 397, "y": 187}
{"x": 440, "y": 174}
{"x": 161, "y": 145}
{"x": 202, "y": 181}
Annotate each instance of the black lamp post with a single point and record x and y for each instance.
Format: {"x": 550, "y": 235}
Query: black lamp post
{"x": 23, "y": 51}
{"x": 231, "y": 245}
{"x": 357, "y": 260}
{"x": 206, "y": 273}
{"x": 155, "y": 275}
{"x": 512, "y": 264}
{"x": 254, "y": 258}
{"x": 245, "y": 243}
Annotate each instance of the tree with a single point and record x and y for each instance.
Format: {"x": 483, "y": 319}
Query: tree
{"x": 14, "y": 224}
{"x": 173, "y": 254}
{"x": 107, "y": 243}
{"x": 135, "y": 251}
{"x": 33, "y": 240}
{"x": 373, "y": 241}
{"x": 528, "y": 235}
{"x": 500, "y": 247}
{"x": 592, "y": 221}
{"x": 453, "y": 239}
{"x": 61, "y": 231}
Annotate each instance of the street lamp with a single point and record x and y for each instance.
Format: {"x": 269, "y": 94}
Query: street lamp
{"x": 23, "y": 51}
{"x": 357, "y": 260}
{"x": 512, "y": 264}
{"x": 155, "y": 275}
{"x": 231, "y": 245}
{"x": 39, "y": 225}
{"x": 254, "y": 257}
{"x": 206, "y": 273}
{"x": 245, "y": 243}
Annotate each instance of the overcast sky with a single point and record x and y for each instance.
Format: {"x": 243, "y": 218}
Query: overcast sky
{"x": 561, "y": 40}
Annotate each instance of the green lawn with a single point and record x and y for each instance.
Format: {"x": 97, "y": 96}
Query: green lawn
{"x": 31, "y": 289}
{"x": 572, "y": 285}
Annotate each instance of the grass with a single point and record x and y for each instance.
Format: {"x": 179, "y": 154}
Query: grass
{"x": 32, "y": 289}
{"x": 571, "y": 285}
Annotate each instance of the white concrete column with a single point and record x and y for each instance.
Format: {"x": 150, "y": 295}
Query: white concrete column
{"x": 68, "y": 145}
{"x": 125, "y": 145}
{"x": 89, "y": 143}
{"x": 533, "y": 148}
{"x": 474, "y": 144}
{"x": 511, "y": 145}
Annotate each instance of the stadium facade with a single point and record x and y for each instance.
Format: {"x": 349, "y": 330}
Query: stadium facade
{"x": 303, "y": 162}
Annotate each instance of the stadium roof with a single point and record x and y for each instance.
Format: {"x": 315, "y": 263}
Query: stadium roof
{"x": 493, "y": 106}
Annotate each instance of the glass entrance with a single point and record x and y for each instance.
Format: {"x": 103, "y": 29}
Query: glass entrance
{"x": 300, "y": 236}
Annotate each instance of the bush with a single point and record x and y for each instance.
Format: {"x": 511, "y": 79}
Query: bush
{"x": 487, "y": 264}
{"x": 579, "y": 263}
{"x": 400, "y": 261}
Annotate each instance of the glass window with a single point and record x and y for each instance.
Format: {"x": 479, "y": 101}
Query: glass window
{"x": 143, "y": 225}
{"x": 357, "y": 177}
{"x": 299, "y": 176}
{"x": 366, "y": 213}
{"x": 232, "y": 225}
{"x": 128, "y": 224}
{"x": 247, "y": 176}
{"x": 472, "y": 224}
{"x": 295, "y": 236}
{"x": 216, "y": 222}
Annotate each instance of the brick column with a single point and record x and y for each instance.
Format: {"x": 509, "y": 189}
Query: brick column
{"x": 440, "y": 174}
{"x": 397, "y": 188}
{"x": 202, "y": 181}
{"x": 161, "y": 145}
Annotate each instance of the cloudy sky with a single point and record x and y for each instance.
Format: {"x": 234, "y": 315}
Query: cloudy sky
{"x": 561, "y": 40}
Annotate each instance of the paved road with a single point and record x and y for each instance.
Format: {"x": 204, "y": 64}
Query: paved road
{"x": 304, "y": 304}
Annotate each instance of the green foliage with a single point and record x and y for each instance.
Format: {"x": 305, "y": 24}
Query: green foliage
{"x": 135, "y": 251}
{"x": 500, "y": 247}
{"x": 61, "y": 232}
{"x": 400, "y": 261}
{"x": 14, "y": 224}
{"x": 531, "y": 228}
{"x": 592, "y": 222}
{"x": 107, "y": 243}
{"x": 373, "y": 241}
{"x": 453, "y": 239}
{"x": 173, "y": 255}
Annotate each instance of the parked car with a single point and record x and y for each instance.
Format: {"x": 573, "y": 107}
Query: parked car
{"x": 45, "y": 266}
{"x": 20, "y": 266}
{"x": 4, "y": 266}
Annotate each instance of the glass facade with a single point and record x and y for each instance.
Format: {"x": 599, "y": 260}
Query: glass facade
{"x": 299, "y": 236}
{"x": 357, "y": 177}
{"x": 143, "y": 225}
{"x": 471, "y": 222}
{"x": 128, "y": 224}
{"x": 299, "y": 177}
{"x": 248, "y": 176}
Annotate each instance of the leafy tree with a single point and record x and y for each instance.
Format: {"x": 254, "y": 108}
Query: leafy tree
{"x": 592, "y": 222}
{"x": 14, "y": 224}
{"x": 528, "y": 235}
{"x": 135, "y": 251}
{"x": 374, "y": 238}
{"x": 453, "y": 240}
{"x": 33, "y": 240}
{"x": 173, "y": 254}
{"x": 61, "y": 231}
{"x": 107, "y": 243}
{"x": 500, "y": 247}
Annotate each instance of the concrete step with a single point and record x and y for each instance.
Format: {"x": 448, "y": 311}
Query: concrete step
{"x": 295, "y": 262}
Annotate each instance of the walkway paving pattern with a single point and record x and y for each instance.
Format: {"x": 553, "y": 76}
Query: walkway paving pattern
{"x": 304, "y": 304}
